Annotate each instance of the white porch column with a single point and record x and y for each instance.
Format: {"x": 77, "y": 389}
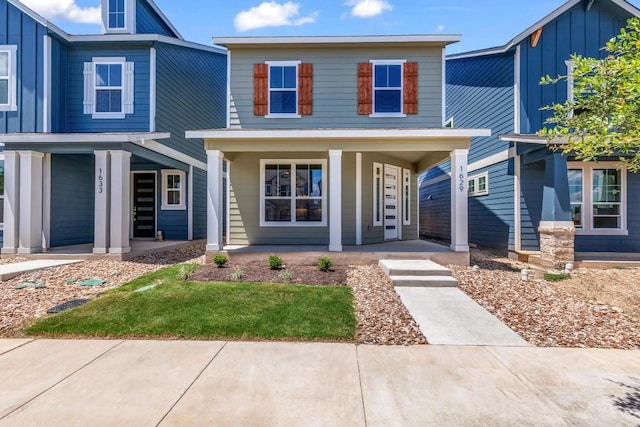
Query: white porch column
{"x": 459, "y": 201}
{"x": 11, "y": 202}
{"x": 30, "y": 225}
{"x": 120, "y": 193}
{"x": 335, "y": 200}
{"x": 102, "y": 214}
{"x": 215, "y": 212}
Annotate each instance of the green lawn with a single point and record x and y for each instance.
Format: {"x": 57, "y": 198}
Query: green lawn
{"x": 183, "y": 309}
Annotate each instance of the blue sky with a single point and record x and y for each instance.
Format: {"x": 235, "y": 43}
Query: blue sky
{"x": 482, "y": 23}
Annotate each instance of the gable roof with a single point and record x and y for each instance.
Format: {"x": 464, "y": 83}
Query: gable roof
{"x": 164, "y": 19}
{"x": 623, "y": 4}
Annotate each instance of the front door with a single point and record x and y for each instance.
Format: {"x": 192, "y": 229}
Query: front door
{"x": 144, "y": 205}
{"x": 391, "y": 205}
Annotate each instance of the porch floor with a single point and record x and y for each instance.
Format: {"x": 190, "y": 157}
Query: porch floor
{"x": 138, "y": 248}
{"x": 365, "y": 254}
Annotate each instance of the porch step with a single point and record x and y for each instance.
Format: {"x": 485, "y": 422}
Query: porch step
{"x": 417, "y": 273}
{"x": 425, "y": 281}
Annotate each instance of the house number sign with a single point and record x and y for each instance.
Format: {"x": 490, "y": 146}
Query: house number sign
{"x": 461, "y": 176}
{"x": 100, "y": 181}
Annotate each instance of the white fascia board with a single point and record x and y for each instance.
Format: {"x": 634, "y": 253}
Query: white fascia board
{"x": 39, "y": 19}
{"x": 170, "y": 152}
{"x": 153, "y": 38}
{"x": 337, "y": 40}
{"x": 164, "y": 18}
{"x": 82, "y": 137}
{"x": 531, "y": 139}
{"x": 338, "y": 133}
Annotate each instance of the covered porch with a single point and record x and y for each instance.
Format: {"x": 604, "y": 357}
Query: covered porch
{"x": 366, "y": 190}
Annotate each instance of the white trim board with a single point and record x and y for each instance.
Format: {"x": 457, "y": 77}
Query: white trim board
{"x": 336, "y": 133}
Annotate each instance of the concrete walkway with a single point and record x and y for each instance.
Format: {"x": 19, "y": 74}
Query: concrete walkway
{"x": 9, "y": 271}
{"x": 178, "y": 383}
{"x": 449, "y": 316}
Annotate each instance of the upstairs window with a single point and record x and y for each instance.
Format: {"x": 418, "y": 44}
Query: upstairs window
{"x": 283, "y": 89}
{"x": 8, "y": 92}
{"x": 108, "y": 92}
{"x": 116, "y": 14}
{"x": 388, "y": 88}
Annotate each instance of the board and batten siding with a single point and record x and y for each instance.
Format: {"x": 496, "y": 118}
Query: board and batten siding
{"x": 191, "y": 93}
{"x": 59, "y": 85}
{"x": 480, "y": 94}
{"x": 147, "y": 22}
{"x": 72, "y": 199}
{"x": 80, "y": 122}
{"x": 576, "y": 31}
{"x": 200, "y": 204}
{"x": 335, "y": 87}
{"x": 17, "y": 28}
{"x": 491, "y": 217}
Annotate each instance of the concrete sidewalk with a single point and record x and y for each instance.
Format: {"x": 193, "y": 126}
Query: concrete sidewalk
{"x": 182, "y": 383}
{"x": 9, "y": 271}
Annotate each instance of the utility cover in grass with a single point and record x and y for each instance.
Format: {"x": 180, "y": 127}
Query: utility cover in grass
{"x": 68, "y": 305}
{"x": 92, "y": 282}
{"x": 35, "y": 285}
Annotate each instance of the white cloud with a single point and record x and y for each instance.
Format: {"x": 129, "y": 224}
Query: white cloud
{"x": 368, "y": 8}
{"x": 66, "y": 9}
{"x": 440, "y": 28}
{"x": 272, "y": 14}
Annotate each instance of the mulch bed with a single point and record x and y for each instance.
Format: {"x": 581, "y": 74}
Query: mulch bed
{"x": 260, "y": 272}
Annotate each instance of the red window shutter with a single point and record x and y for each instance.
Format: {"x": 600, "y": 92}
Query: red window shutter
{"x": 410, "y": 88}
{"x": 365, "y": 88}
{"x": 305, "y": 89}
{"x": 260, "y": 89}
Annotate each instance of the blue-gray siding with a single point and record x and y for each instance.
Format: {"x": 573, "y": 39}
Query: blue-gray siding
{"x": 200, "y": 204}
{"x": 480, "y": 94}
{"x": 147, "y": 22}
{"x": 532, "y": 179}
{"x": 435, "y": 210}
{"x": 79, "y": 122}
{"x": 72, "y": 199}
{"x": 191, "y": 94}
{"x": 59, "y": 85}
{"x": 576, "y": 31}
{"x": 19, "y": 29}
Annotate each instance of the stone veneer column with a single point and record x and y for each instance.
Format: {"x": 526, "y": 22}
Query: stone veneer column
{"x": 557, "y": 243}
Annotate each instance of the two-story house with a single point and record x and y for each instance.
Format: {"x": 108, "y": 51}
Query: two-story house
{"x": 523, "y": 196}
{"x": 325, "y": 139}
{"x": 93, "y": 129}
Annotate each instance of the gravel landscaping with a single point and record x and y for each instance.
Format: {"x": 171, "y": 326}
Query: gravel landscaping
{"x": 550, "y": 314}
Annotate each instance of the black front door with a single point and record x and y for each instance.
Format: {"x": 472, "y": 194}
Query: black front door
{"x": 144, "y": 205}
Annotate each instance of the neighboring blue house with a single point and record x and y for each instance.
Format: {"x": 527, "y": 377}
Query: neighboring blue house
{"x": 93, "y": 129}
{"x": 522, "y": 196}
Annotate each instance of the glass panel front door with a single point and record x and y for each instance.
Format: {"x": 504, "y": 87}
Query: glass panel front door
{"x": 391, "y": 206}
{"x": 144, "y": 205}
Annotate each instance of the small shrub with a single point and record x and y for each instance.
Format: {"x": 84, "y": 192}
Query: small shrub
{"x": 324, "y": 264}
{"x": 185, "y": 271}
{"x": 556, "y": 277}
{"x": 275, "y": 262}
{"x": 286, "y": 275}
{"x": 237, "y": 274}
{"x": 220, "y": 260}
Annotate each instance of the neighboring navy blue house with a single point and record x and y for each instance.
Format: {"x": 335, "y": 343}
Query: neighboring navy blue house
{"x": 523, "y": 196}
{"x": 93, "y": 129}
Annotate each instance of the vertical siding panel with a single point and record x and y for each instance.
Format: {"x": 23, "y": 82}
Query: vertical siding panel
{"x": 147, "y": 22}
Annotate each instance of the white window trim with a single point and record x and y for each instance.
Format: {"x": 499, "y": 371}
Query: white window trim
{"x": 406, "y": 197}
{"x": 12, "y": 89}
{"x": 587, "y": 199}
{"x": 90, "y": 89}
{"x": 295, "y": 115}
{"x": 476, "y": 179}
{"x": 378, "y": 173}
{"x": 375, "y": 62}
{"x": 293, "y": 222}
{"x": 165, "y": 191}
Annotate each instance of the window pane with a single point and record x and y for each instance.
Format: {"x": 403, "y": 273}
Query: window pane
{"x": 316, "y": 180}
{"x": 174, "y": 182}
{"x": 309, "y": 210}
{"x": 607, "y": 185}
{"x": 283, "y": 102}
{"x": 387, "y": 101}
{"x": 270, "y": 180}
{"x": 173, "y": 197}
{"x": 302, "y": 180}
{"x": 276, "y": 76}
{"x": 395, "y": 76}
{"x": 4, "y": 64}
{"x": 482, "y": 183}
{"x": 382, "y": 75}
{"x": 576, "y": 215}
{"x": 4, "y": 91}
{"x": 290, "y": 77}
{"x": 606, "y": 222}
{"x": 277, "y": 210}
{"x": 472, "y": 186}
{"x": 102, "y": 75}
{"x": 575, "y": 185}
{"x": 108, "y": 101}
{"x": 115, "y": 75}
